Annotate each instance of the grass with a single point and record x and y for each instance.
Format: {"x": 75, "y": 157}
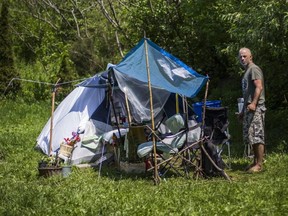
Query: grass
{"x": 85, "y": 192}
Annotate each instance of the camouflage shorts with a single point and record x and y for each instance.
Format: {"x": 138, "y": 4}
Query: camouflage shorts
{"x": 253, "y": 126}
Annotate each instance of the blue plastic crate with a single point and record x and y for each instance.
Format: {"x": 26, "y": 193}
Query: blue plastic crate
{"x": 198, "y": 107}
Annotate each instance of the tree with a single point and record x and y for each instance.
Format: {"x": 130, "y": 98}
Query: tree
{"x": 7, "y": 69}
{"x": 263, "y": 28}
{"x": 205, "y": 34}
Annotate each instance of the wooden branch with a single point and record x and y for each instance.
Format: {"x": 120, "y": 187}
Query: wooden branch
{"x": 114, "y": 14}
{"x": 118, "y": 44}
{"x": 106, "y": 14}
{"x": 179, "y": 154}
{"x": 126, "y": 6}
{"x": 22, "y": 39}
{"x": 76, "y": 22}
{"x": 58, "y": 10}
{"x": 213, "y": 163}
{"x": 151, "y": 6}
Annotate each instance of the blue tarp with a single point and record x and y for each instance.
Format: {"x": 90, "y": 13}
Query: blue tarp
{"x": 166, "y": 71}
{"x": 167, "y": 75}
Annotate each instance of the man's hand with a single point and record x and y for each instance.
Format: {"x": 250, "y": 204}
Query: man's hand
{"x": 251, "y": 107}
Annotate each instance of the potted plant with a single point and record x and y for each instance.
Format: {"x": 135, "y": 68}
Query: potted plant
{"x": 49, "y": 165}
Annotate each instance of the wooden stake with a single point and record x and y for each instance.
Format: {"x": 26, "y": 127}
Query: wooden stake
{"x": 52, "y": 113}
{"x": 156, "y": 175}
{"x": 177, "y": 103}
{"x": 203, "y": 124}
{"x": 127, "y": 107}
{"x": 204, "y": 107}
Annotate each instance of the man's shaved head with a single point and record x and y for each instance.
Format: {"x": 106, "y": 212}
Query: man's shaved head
{"x": 246, "y": 50}
{"x": 245, "y": 56}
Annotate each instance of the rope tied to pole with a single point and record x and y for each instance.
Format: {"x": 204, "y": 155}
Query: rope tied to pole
{"x": 39, "y": 82}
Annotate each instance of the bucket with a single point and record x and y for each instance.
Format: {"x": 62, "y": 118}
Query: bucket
{"x": 66, "y": 171}
{"x": 198, "y": 107}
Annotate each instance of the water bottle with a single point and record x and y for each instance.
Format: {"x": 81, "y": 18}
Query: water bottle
{"x": 240, "y": 104}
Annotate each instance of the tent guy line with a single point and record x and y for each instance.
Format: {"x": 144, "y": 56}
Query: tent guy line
{"x": 40, "y": 82}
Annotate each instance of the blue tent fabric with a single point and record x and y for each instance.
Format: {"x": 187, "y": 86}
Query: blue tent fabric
{"x": 96, "y": 81}
{"x": 166, "y": 71}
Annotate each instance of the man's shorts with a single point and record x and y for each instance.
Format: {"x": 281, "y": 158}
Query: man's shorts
{"x": 253, "y": 126}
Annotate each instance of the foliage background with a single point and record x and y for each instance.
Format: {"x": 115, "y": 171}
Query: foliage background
{"x": 72, "y": 40}
{"x": 76, "y": 39}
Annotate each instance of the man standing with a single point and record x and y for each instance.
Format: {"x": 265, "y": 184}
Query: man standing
{"x": 253, "y": 112}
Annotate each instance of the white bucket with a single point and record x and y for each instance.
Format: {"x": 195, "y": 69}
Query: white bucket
{"x": 66, "y": 171}
{"x": 240, "y": 104}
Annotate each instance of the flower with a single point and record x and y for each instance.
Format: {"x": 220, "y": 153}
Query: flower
{"x": 73, "y": 140}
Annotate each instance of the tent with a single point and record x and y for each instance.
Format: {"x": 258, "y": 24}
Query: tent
{"x": 92, "y": 107}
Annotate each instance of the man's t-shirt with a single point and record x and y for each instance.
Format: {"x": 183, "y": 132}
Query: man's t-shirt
{"x": 253, "y": 72}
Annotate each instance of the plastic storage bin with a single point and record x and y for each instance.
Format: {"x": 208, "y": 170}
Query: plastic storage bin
{"x": 198, "y": 107}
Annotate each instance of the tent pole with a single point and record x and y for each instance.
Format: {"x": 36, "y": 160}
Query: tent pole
{"x": 203, "y": 150}
{"x": 177, "y": 103}
{"x": 54, "y": 89}
{"x": 185, "y": 104}
{"x": 127, "y": 107}
{"x": 203, "y": 122}
{"x": 186, "y": 115}
{"x": 204, "y": 107}
{"x": 117, "y": 156}
{"x": 156, "y": 175}
{"x": 110, "y": 96}
{"x": 185, "y": 111}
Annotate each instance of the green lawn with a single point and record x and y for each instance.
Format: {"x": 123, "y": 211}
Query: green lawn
{"x": 85, "y": 192}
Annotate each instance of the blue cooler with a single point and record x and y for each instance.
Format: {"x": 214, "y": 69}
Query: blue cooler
{"x": 198, "y": 107}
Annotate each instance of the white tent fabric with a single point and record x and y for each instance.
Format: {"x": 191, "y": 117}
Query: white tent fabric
{"x": 72, "y": 114}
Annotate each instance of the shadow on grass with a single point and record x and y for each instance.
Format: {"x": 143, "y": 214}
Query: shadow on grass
{"x": 239, "y": 166}
{"x": 111, "y": 171}
{"x": 235, "y": 169}
{"x": 116, "y": 174}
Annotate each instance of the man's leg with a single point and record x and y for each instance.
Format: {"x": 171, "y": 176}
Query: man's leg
{"x": 256, "y": 136}
{"x": 246, "y": 138}
{"x": 260, "y": 153}
{"x": 254, "y": 159}
{"x": 258, "y": 157}
{"x": 255, "y": 150}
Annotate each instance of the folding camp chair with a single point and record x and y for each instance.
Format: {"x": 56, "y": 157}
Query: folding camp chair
{"x": 173, "y": 148}
{"x": 217, "y": 133}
